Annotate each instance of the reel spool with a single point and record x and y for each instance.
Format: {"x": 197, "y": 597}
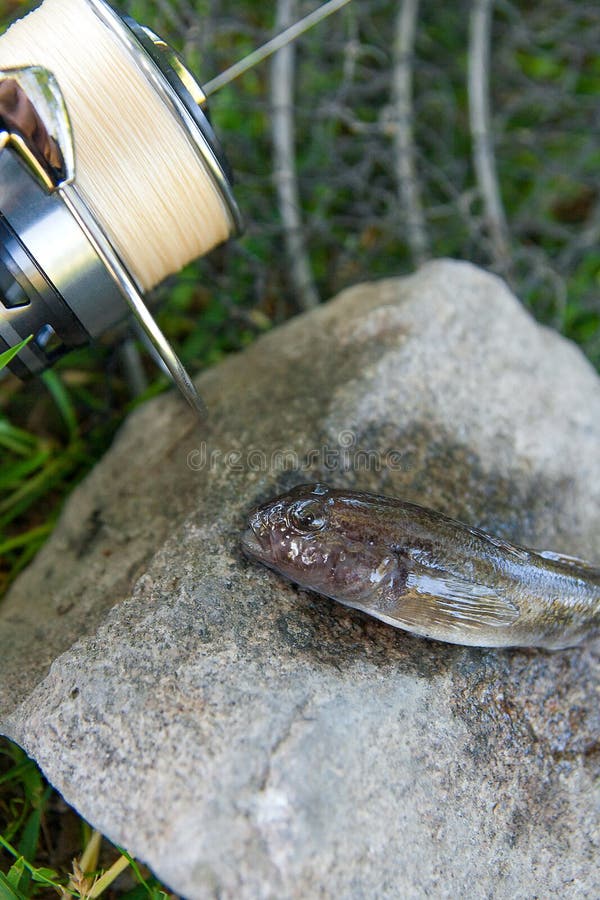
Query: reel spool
{"x": 111, "y": 178}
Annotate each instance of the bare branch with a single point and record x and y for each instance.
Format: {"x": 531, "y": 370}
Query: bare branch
{"x": 133, "y": 369}
{"x": 284, "y": 163}
{"x": 479, "y": 116}
{"x": 404, "y": 145}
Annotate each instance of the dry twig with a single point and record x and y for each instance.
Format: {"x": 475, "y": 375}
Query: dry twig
{"x": 479, "y": 117}
{"x": 284, "y": 163}
{"x": 404, "y": 144}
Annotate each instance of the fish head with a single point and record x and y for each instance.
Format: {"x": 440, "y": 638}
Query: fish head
{"x": 316, "y": 537}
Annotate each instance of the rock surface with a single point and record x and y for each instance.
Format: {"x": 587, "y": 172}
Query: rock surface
{"x": 250, "y": 740}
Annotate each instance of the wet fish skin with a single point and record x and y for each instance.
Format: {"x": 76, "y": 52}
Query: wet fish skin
{"x": 424, "y": 572}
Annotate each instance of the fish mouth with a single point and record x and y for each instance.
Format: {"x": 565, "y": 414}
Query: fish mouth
{"x": 255, "y": 540}
{"x": 251, "y": 544}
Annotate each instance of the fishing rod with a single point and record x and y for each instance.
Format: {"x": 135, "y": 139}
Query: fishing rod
{"x": 115, "y": 178}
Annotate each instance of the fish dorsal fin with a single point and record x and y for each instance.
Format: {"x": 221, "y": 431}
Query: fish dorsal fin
{"x": 574, "y": 562}
{"x": 504, "y": 546}
{"x": 439, "y": 599}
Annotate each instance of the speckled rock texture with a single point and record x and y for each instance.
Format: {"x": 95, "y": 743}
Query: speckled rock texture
{"x": 251, "y": 740}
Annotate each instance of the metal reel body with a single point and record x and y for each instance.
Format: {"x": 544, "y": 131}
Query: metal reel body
{"x": 53, "y": 284}
{"x": 61, "y": 279}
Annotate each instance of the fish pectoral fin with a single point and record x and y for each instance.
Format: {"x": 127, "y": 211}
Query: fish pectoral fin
{"x": 443, "y": 600}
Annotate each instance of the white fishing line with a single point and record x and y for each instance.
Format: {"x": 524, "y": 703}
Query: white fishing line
{"x": 135, "y": 166}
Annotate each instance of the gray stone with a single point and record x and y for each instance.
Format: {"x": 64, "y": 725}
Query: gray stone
{"x": 251, "y": 740}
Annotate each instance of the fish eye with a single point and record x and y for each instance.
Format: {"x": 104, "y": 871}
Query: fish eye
{"x": 307, "y": 515}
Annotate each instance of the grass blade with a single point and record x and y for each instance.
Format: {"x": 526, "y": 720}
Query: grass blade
{"x": 61, "y": 397}
{"x": 10, "y": 354}
{"x": 7, "y": 890}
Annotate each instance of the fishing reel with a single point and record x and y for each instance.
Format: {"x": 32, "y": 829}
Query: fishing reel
{"x": 63, "y": 277}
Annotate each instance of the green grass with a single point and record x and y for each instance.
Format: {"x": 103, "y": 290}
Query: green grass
{"x": 54, "y": 429}
{"x": 37, "y": 467}
{"x": 46, "y": 849}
